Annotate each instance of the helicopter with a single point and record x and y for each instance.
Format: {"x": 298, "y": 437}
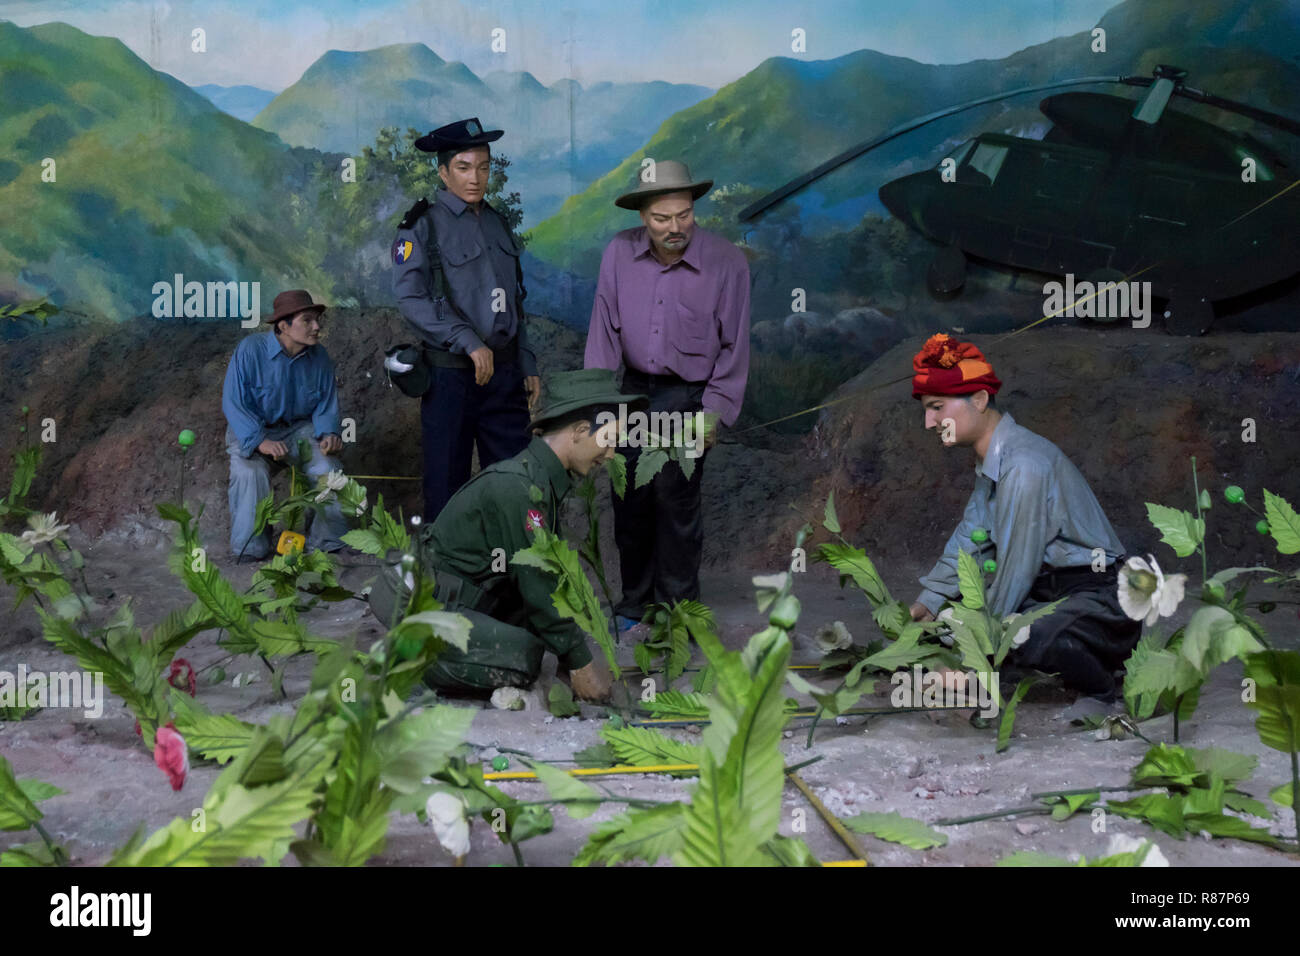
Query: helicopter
{"x": 1114, "y": 193}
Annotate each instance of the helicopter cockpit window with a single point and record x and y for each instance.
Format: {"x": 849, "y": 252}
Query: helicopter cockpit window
{"x": 988, "y": 160}
{"x": 958, "y": 155}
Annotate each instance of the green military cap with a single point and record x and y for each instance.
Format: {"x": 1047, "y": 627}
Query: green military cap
{"x": 566, "y": 392}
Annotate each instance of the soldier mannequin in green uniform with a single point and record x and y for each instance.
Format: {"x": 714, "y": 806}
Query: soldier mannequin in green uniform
{"x": 514, "y": 621}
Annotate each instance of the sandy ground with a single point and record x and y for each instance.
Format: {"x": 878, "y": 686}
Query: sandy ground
{"x": 928, "y": 766}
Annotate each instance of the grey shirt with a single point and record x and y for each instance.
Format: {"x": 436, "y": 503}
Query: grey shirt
{"x": 1037, "y": 509}
{"x": 479, "y": 255}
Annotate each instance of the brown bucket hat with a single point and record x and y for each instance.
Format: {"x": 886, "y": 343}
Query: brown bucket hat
{"x": 288, "y": 304}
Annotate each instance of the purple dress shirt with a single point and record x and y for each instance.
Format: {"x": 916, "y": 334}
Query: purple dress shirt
{"x": 689, "y": 319}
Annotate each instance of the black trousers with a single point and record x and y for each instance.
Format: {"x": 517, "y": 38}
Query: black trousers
{"x": 658, "y": 528}
{"x": 455, "y": 413}
{"x": 1088, "y": 637}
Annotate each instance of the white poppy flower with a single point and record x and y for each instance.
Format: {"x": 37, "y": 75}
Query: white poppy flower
{"x": 45, "y": 528}
{"x": 508, "y": 698}
{"x": 1144, "y": 592}
{"x": 335, "y": 481}
{"x": 447, "y": 816}
{"x": 833, "y": 637}
{"x": 1119, "y": 843}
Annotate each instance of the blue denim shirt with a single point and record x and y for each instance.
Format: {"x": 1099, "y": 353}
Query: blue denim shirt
{"x": 264, "y": 386}
{"x": 1037, "y": 509}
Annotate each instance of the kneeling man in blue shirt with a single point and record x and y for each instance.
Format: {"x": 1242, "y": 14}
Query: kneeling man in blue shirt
{"x": 280, "y": 389}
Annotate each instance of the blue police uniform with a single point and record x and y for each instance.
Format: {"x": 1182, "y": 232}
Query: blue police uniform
{"x": 458, "y": 282}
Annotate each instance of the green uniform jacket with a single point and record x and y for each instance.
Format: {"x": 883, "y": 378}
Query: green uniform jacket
{"x": 493, "y": 510}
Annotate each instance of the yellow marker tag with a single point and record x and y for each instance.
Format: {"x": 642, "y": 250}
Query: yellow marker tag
{"x": 290, "y": 541}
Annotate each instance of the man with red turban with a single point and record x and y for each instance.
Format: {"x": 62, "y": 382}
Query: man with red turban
{"x": 1034, "y": 514}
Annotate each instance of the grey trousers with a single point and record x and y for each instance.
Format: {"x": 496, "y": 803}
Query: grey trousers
{"x": 250, "y": 482}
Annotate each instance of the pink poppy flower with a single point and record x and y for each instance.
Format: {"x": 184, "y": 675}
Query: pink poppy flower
{"x": 171, "y": 755}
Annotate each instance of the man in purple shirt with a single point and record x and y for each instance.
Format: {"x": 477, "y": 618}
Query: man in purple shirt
{"x": 671, "y": 307}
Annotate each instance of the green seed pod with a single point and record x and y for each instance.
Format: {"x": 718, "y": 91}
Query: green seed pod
{"x": 408, "y": 647}
{"x": 26, "y": 409}
{"x": 785, "y": 613}
{"x": 990, "y": 566}
{"x": 1234, "y": 495}
{"x": 185, "y": 439}
{"x": 1261, "y": 526}
{"x": 979, "y": 535}
{"x": 500, "y": 763}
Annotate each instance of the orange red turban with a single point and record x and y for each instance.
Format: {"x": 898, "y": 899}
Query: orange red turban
{"x": 945, "y": 366}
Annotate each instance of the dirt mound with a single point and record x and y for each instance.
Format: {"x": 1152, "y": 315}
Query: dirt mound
{"x": 1129, "y": 408}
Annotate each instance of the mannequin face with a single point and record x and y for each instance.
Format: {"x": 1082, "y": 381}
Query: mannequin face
{"x": 670, "y": 220}
{"x": 466, "y": 176}
{"x": 303, "y": 331}
{"x": 590, "y": 449}
{"x": 966, "y": 414}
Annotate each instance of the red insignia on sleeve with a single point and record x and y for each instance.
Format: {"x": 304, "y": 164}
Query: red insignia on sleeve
{"x": 535, "y": 520}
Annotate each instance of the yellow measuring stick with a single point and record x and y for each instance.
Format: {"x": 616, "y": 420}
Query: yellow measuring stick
{"x": 594, "y": 771}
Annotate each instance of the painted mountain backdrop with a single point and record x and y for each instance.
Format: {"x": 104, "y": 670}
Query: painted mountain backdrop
{"x": 153, "y": 179}
{"x": 150, "y": 179}
{"x": 561, "y": 136}
{"x": 241, "y": 102}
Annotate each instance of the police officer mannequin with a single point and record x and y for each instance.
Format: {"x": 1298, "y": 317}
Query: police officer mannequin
{"x": 458, "y": 282}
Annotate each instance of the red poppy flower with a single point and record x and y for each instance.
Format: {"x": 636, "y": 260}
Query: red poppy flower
{"x": 535, "y": 520}
{"x": 182, "y": 676}
{"x": 171, "y": 755}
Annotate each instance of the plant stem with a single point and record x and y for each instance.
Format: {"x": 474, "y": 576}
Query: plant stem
{"x": 1205, "y": 573}
{"x": 995, "y": 814}
{"x": 56, "y": 852}
{"x": 1295, "y": 790}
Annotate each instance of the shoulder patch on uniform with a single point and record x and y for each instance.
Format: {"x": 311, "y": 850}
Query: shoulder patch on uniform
{"x": 413, "y": 214}
{"x": 402, "y": 249}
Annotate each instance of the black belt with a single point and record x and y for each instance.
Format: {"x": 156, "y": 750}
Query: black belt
{"x": 455, "y": 592}
{"x": 667, "y": 380}
{"x": 443, "y": 359}
{"x": 1062, "y": 581}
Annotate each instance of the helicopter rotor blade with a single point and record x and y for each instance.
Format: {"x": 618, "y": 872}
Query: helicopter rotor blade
{"x": 853, "y": 152}
{"x": 1253, "y": 112}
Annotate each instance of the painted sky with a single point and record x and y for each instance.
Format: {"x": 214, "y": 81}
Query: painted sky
{"x": 711, "y": 42}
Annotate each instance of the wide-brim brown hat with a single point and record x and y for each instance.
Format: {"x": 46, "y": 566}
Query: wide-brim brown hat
{"x": 288, "y": 304}
{"x": 566, "y": 392}
{"x": 667, "y": 176}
